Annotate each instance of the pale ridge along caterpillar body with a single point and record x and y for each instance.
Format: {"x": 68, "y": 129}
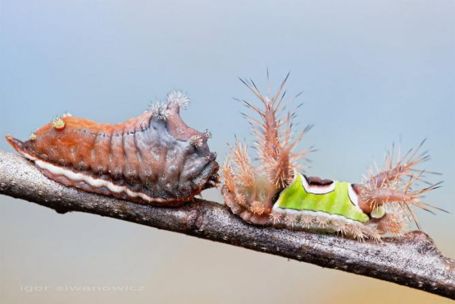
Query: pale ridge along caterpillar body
{"x": 154, "y": 158}
{"x": 274, "y": 193}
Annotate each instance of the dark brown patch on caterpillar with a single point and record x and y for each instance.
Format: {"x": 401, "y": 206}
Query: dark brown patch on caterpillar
{"x": 317, "y": 181}
{"x": 153, "y": 158}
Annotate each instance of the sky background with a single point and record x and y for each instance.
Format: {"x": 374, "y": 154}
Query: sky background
{"x": 372, "y": 73}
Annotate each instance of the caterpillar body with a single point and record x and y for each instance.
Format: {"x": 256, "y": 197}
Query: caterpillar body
{"x": 154, "y": 158}
{"x": 274, "y": 193}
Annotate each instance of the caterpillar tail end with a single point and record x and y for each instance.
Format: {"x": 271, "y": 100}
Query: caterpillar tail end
{"x": 243, "y": 212}
{"x": 400, "y": 186}
{"x": 24, "y": 148}
{"x": 16, "y": 144}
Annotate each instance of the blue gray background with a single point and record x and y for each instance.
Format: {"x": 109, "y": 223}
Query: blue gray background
{"x": 372, "y": 72}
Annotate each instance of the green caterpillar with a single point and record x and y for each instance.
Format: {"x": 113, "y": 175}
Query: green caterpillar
{"x": 274, "y": 193}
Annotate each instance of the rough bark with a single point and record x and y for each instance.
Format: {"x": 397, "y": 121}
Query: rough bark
{"x": 412, "y": 260}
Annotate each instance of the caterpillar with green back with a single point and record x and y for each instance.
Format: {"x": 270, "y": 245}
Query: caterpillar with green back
{"x": 275, "y": 194}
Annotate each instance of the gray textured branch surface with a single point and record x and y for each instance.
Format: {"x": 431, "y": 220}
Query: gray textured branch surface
{"x": 413, "y": 260}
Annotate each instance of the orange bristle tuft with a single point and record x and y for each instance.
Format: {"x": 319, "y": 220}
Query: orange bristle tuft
{"x": 401, "y": 182}
{"x": 275, "y": 145}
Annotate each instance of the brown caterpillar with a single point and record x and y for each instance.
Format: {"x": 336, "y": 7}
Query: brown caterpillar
{"x": 154, "y": 158}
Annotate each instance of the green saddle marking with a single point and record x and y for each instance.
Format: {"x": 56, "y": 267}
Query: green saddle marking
{"x": 337, "y": 202}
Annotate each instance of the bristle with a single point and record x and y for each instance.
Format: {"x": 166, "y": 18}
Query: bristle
{"x": 246, "y": 173}
{"x": 316, "y": 221}
{"x": 158, "y": 109}
{"x": 274, "y": 135}
{"x": 399, "y": 183}
{"x": 178, "y": 98}
{"x": 275, "y": 144}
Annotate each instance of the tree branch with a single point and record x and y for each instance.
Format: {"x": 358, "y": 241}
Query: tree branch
{"x": 412, "y": 260}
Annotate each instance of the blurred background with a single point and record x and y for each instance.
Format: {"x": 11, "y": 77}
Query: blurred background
{"x": 372, "y": 73}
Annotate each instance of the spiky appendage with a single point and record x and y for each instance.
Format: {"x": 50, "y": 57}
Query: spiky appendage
{"x": 397, "y": 188}
{"x": 250, "y": 191}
